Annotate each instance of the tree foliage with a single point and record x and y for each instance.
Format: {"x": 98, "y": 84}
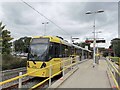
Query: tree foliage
{"x": 5, "y": 38}
{"x": 115, "y": 45}
{"x": 21, "y": 44}
{"x": 105, "y": 53}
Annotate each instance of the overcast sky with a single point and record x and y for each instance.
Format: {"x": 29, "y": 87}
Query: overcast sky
{"x": 22, "y": 21}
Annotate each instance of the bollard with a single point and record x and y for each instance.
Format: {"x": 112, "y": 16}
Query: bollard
{"x": 20, "y": 80}
{"x": 50, "y": 74}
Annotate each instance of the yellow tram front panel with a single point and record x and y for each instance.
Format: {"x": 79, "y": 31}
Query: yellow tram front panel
{"x": 56, "y": 65}
{"x": 41, "y": 72}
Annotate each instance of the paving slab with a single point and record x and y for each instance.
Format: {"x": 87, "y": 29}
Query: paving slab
{"x": 88, "y": 77}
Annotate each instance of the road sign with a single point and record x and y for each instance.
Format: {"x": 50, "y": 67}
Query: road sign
{"x": 97, "y": 41}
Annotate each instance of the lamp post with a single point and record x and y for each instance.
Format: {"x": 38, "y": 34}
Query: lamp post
{"x": 97, "y": 37}
{"x": 45, "y": 23}
{"x": 94, "y": 43}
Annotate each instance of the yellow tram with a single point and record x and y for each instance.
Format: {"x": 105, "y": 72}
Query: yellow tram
{"x": 46, "y": 50}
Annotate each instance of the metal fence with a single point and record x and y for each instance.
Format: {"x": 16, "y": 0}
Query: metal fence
{"x": 114, "y": 71}
{"x": 64, "y": 67}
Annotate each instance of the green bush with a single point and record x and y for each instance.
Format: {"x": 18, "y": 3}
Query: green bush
{"x": 10, "y": 62}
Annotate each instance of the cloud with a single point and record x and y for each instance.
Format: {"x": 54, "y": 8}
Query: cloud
{"x": 21, "y": 20}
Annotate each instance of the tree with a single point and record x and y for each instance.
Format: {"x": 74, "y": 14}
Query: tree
{"x": 115, "y": 45}
{"x": 105, "y": 53}
{"x": 5, "y": 40}
{"x": 22, "y": 44}
{"x": 1, "y": 29}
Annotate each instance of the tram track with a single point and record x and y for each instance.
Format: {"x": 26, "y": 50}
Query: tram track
{"x": 25, "y": 84}
{"x": 7, "y": 74}
{"x": 31, "y": 81}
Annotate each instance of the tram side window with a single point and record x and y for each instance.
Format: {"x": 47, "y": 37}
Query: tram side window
{"x": 51, "y": 51}
{"x": 72, "y": 50}
{"x": 69, "y": 51}
{"x": 80, "y": 52}
{"x": 54, "y": 50}
{"x": 77, "y": 51}
{"x": 65, "y": 51}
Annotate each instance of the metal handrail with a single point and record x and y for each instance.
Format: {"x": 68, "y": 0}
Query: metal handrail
{"x": 24, "y": 75}
{"x": 114, "y": 67}
{"x": 35, "y": 86}
{"x": 15, "y": 78}
{"x": 114, "y": 79}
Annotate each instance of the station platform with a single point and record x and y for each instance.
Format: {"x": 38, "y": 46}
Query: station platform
{"x": 86, "y": 76}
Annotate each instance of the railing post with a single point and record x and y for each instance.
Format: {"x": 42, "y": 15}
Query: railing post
{"x": 71, "y": 62}
{"x": 82, "y": 57}
{"x": 78, "y": 64}
{"x": 77, "y": 59}
{"x": 63, "y": 73}
{"x": 50, "y": 74}
{"x": 20, "y": 81}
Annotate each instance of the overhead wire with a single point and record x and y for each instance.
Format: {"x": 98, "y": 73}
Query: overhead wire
{"x": 45, "y": 17}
